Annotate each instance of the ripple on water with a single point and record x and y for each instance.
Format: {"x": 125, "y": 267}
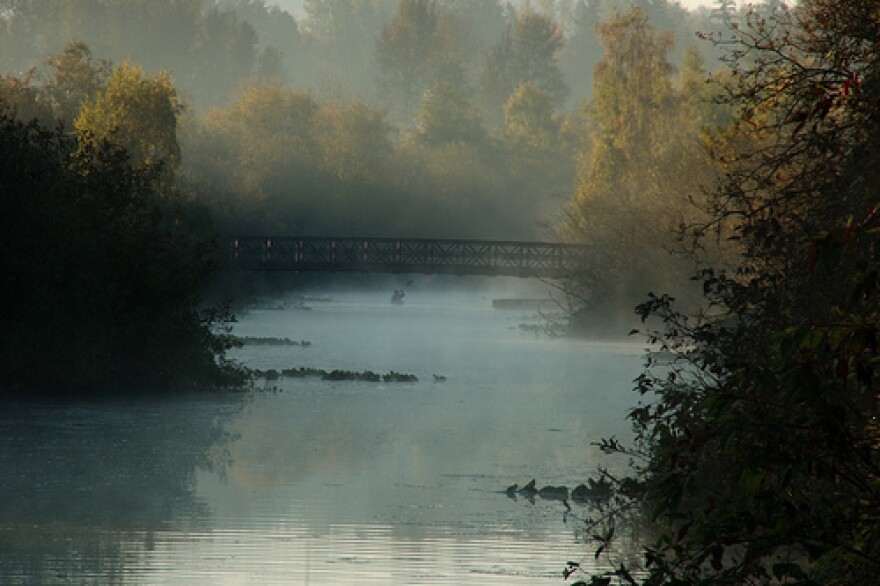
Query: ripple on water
{"x": 354, "y": 555}
{"x": 344, "y": 483}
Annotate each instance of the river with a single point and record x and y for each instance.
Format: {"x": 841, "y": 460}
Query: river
{"x": 316, "y": 482}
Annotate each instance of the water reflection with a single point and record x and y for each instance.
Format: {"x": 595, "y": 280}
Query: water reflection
{"x": 324, "y": 482}
{"x": 86, "y": 488}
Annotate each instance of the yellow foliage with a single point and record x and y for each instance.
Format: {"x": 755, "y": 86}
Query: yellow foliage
{"x": 138, "y": 112}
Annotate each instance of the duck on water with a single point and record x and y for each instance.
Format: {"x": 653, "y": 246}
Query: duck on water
{"x": 399, "y": 294}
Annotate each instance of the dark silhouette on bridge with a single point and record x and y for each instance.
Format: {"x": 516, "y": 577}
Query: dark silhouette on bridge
{"x": 407, "y": 255}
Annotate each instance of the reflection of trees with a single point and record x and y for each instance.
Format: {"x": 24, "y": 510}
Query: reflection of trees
{"x": 85, "y": 488}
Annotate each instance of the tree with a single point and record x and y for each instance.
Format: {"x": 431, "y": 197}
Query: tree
{"x": 224, "y": 54}
{"x": 724, "y": 12}
{"x": 75, "y": 77}
{"x": 405, "y": 50}
{"x": 337, "y": 33}
{"x": 527, "y": 53}
{"x": 353, "y": 142}
{"x": 445, "y": 115}
{"x": 270, "y": 136}
{"x": 22, "y": 99}
{"x": 103, "y": 274}
{"x": 530, "y": 119}
{"x": 539, "y": 41}
{"x": 137, "y": 112}
{"x": 540, "y": 159}
{"x": 633, "y": 83}
{"x": 484, "y": 19}
{"x": 279, "y": 42}
{"x": 260, "y": 160}
{"x": 761, "y": 449}
{"x": 156, "y": 34}
{"x": 628, "y": 199}
{"x": 207, "y": 45}
{"x": 583, "y": 49}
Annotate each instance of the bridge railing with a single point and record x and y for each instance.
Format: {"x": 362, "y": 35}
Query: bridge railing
{"x": 541, "y": 259}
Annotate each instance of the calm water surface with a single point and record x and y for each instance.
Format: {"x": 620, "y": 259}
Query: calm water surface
{"x": 325, "y": 482}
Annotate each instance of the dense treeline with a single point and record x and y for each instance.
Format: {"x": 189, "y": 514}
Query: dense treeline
{"x": 758, "y": 449}
{"x": 342, "y": 50}
{"x": 372, "y": 117}
{"x": 405, "y": 118}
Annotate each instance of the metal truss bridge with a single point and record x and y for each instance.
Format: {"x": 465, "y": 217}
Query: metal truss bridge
{"x": 407, "y": 255}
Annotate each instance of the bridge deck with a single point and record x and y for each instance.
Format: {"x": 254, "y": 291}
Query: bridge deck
{"x": 402, "y": 255}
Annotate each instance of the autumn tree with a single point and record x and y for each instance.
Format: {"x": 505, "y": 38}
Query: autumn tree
{"x": 353, "y": 141}
{"x": 74, "y": 77}
{"x": 530, "y": 119}
{"x": 446, "y": 115}
{"x": 760, "y": 446}
{"x": 263, "y": 141}
{"x": 138, "y": 112}
{"x": 626, "y": 202}
{"x": 541, "y": 158}
{"x": 57, "y": 90}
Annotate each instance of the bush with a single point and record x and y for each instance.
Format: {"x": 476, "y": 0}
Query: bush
{"x": 101, "y": 273}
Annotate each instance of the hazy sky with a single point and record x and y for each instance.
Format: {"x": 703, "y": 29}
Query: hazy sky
{"x": 296, "y": 5}
{"x": 691, "y": 4}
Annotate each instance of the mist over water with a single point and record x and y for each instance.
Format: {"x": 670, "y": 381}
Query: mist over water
{"x": 328, "y": 482}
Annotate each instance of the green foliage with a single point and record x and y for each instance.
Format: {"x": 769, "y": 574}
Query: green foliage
{"x": 102, "y": 275}
{"x": 761, "y": 443}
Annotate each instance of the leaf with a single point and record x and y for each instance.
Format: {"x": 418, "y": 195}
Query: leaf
{"x": 622, "y": 572}
{"x": 788, "y": 570}
{"x": 683, "y": 531}
{"x": 830, "y": 257}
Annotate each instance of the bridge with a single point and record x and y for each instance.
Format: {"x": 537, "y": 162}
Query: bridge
{"x": 407, "y": 255}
